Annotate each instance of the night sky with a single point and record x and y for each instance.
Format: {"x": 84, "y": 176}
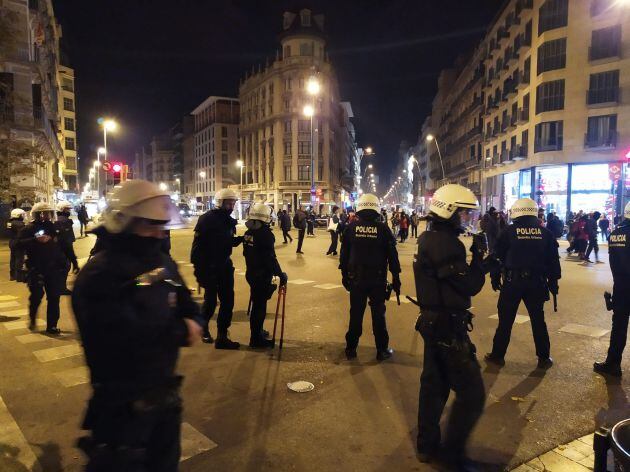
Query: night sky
{"x": 149, "y": 62}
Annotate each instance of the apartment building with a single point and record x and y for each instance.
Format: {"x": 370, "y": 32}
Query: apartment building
{"x": 68, "y": 128}
{"x": 546, "y": 87}
{"x": 278, "y": 141}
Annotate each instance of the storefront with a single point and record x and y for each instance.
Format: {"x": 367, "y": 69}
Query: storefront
{"x": 603, "y": 187}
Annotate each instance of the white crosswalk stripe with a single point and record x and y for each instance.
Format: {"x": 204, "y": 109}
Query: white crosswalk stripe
{"x": 11, "y": 434}
{"x": 32, "y": 338}
{"x": 519, "y": 319}
{"x": 21, "y": 312}
{"x": 72, "y": 377}
{"x": 583, "y": 330}
{"x": 59, "y": 352}
{"x": 6, "y": 298}
{"x": 8, "y": 304}
{"x": 193, "y": 442}
{"x": 11, "y": 325}
{"x": 327, "y": 286}
{"x": 301, "y": 281}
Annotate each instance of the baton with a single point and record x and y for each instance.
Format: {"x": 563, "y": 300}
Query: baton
{"x": 555, "y": 302}
{"x": 398, "y": 298}
{"x": 415, "y": 302}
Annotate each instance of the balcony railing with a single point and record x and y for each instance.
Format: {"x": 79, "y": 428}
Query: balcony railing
{"x": 513, "y": 120}
{"x": 523, "y": 79}
{"x": 519, "y": 152}
{"x": 502, "y": 34}
{"x": 540, "y": 146}
{"x": 599, "y": 141}
{"x": 523, "y": 115}
{"x": 602, "y": 96}
{"x": 612, "y": 51}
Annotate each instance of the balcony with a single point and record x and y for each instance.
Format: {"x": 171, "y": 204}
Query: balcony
{"x": 519, "y": 153}
{"x": 508, "y": 57}
{"x": 610, "y": 51}
{"x": 513, "y": 121}
{"x": 512, "y": 21}
{"x": 502, "y": 34}
{"x": 505, "y": 156}
{"x": 540, "y": 146}
{"x": 509, "y": 89}
{"x": 504, "y": 125}
{"x": 496, "y": 160}
{"x": 524, "y": 5}
{"x": 603, "y": 97}
{"x": 471, "y": 163}
{"x": 596, "y": 142}
{"x": 523, "y": 115}
{"x": 488, "y": 136}
{"x": 523, "y": 80}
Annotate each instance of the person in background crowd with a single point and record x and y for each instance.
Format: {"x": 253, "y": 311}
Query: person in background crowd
{"x": 555, "y": 225}
{"x": 310, "y": 223}
{"x": 65, "y": 231}
{"x": 285, "y": 225}
{"x": 414, "y": 220}
{"x": 15, "y": 225}
{"x": 343, "y": 223}
{"x": 591, "y": 231}
{"x": 490, "y": 225}
{"x": 581, "y": 236}
{"x": 404, "y": 227}
{"x": 396, "y": 224}
{"x": 604, "y": 226}
{"x": 541, "y": 217}
{"x": 384, "y": 218}
{"x": 299, "y": 221}
{"x": 333, "y": 226}
{"x": 83, "y": 217}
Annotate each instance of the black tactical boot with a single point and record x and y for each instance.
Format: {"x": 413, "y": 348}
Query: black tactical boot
{"x": 606, "y": 368}
{"x": 261, "y": 343}
{"x": 351, "y": 353}
{"x": 494, "y": 359}
{"x": 54, "y": 331}
{"x": 544, "y": 363}
{"x": 207, "y": 338}
{"x": 223, "y": 342}
{"x": 384, "y": 355}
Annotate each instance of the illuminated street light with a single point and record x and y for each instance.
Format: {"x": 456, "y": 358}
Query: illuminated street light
{"x": 202, "y": 174}
{"x": 308, "y": 111}
{"x": 368, "y": 150}
{"x": 430, "y": 138}
{"x": 312, "y": 86}
{"x": 163, "y": 186}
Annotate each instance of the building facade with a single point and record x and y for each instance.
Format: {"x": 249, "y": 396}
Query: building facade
{"x": 30, "y": 153}
{"x": 278, "y": 140}
{"x": 68, "y": 129}
{"x": 546, "y": 88}
{"x": 216, "y": 148}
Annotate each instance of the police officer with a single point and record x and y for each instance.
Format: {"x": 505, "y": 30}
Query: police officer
{"x": 134, "y": 313}
{"x": 445, "y": 283}
{"x": 529, "y": 270}
{"x": 65, "y": 231}
{"x": 262, "y": 265}
{"x": 368, "y": 248}
{"x": 15, "y": 225}
{"x": 619, "y": 257}
{"x": 46, "y": 260}
{"x": 215, "y": 236}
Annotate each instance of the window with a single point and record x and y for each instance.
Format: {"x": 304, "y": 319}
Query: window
{"x": 320, "y": 172}
{"x": 553, "y": 14}
{"x": 304, "y": 126}
{"x": 67, "y": 85}
{"x": 304, "y": 148}
{"x": 224, "y": 145}
{"x": 304, "y": 172}
{"x": 287, "y": 148}
{"x": 548, "y": 136}
{"x": 70, "y": 144}
{"x": 605, "y": 43}
{"x": 288, "y": 83}
{"x": 68, "y": 104}
{"x": 552, "y": 55}
{"x": 287, "y": 172}
{"x": 68, "y": 123}
{"x": 601, "y": 131}
{"x": 550, "y": 96}
{"x": 224, "y": 132}
{"x": 287, "y": 104}
{"x": 305, "y": 17}
{"x": 287, "y": 126}
{"x": 306, "y": 49}
{"x": 603, "y": 87}
{"x": 224, "y": 159}
{"x": 287, "y": 51}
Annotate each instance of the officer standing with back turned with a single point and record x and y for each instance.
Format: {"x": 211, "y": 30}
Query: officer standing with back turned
{"x": 619, "y": 257}
{"x": 65, "y": 230}
{"x": 368, "y": 248}
{"x": 215, "y": 237}
{"x": 134, "y": 313}
{"x": 530, "y": 269}
{"x": 445, "y": 284}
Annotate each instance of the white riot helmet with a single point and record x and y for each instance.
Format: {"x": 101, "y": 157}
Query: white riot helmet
{"x": 17, "y": 213}
{"x": 140, "y": 199}
{"x": 260, "y": 212}
{"x": 626, "y": 211}
{"x": 524, "y": 207}
{"x": 368, "y": 201}
{"x": 225, "y": 194}
{"x": 451, "y": 197}
{"x": 42, "y": 207}
{"x": 64, "y": 207}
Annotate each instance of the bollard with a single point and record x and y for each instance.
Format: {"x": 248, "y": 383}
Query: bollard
{"x": 601, "y": 444}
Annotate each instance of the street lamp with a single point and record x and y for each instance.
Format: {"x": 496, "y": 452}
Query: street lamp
{"x": 202, "y": 174}
{"x": 108, "y": 126}
{"x": 163, "y": 186}
{"x": 241, "y": 165}
{"x": 312, "y": 88}
{"x": 430, "y": 138}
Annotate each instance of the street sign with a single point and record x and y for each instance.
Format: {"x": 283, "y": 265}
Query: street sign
{"x": 106, "y": 166}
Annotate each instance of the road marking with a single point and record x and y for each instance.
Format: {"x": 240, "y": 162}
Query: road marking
{"x": 18, "y": 448}
{"x": 193, "y": 442}
{"x": 21, "y": 312}
{"x": 583, "y": 330}
{"x": 301, "y": 281}
{"x": 72, "y": 377}
{"x": 182, "y": 262}
{"x": 20, "y": 324}
{"x": 519, "y": 319}
{"x": 327, "y": 286}
{"x": 82, "y": 260}
{"x": 402, "y": 299}
{"x": 59, "y": 352}
{"x": 9, "y": 304}
{"x": 32, "y": 338}
{"x": 6, "y": 298}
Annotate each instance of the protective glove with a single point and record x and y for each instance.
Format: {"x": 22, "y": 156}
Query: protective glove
{"x": 553, "y": 286}
{"x": 75, "y": 268}
{"x": 396, "y": 283}
{"x": 477, "y": 253}
{"x": 495, "y": 279}
{"x": 284, "y": 278}
{"x": 237, "y": 240}
{"x": 345, "y": 281}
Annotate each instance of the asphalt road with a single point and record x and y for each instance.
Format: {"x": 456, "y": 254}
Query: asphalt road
{"x": 362, "y": 415}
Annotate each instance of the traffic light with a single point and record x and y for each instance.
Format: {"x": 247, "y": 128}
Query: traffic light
{"x": 116, "y": 171}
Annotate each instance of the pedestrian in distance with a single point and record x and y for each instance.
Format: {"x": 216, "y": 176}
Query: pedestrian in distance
{"x": 490, "y": 226}
{"x": 134, "y": 312}
{"x": 445, "y": 284}
{"x": 65, "y": 231}
{"x": 591, "y": 231}
{"x": 333, "y": 228}
{"x": 299, "y": 221}
{"x": 15, "y": 226}
{"x": 414, "y": 221}
{"x": 619, "y": 258}
{"x": 84, "y": 218}
{"x": 367, "y": 251}
{"x": 262, "y": 265}
{"x": 528, "y": 270}
{"x": 604, "y": 227}
{"x": 285, "y": 225}
{"x": 46, "y": 261}
{"x": 215, "y": 237}
{"x": 310, "y": 223}
{"x": 404, "y": 227}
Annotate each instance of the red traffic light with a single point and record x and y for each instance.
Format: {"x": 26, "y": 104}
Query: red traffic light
{"x": 117, "y": 167}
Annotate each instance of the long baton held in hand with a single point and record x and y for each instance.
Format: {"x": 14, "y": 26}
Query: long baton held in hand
{"x": 249, "y": 307}
{"x": 555, "y": 302}
{"x": 282, "y": 296}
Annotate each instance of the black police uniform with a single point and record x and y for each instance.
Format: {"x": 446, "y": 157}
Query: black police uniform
{"x": 215, "y": 236}
{"x": 619, "y": 257}
{"x": 130, "y": 303}
{"x": 368, "y": 248}
{"x": 46, "y": 263}
{"x": 262, "y": 265}
{"x": 530, "y": 268}
{"x": 445, "y": 284}
{"x": 15, "y": 225}
{"x": 66, "y": 238}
